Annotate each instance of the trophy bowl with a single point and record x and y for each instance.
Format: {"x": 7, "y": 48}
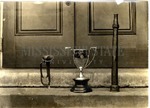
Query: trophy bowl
{"x": 81, "y": 60}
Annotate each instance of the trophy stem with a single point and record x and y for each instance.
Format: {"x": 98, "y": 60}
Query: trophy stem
{"x": 81, "y": 72}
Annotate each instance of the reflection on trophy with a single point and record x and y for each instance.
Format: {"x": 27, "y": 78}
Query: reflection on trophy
{"x": 82, "y": 60}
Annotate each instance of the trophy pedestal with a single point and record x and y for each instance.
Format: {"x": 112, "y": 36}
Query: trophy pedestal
{"x": 81, "y": 86}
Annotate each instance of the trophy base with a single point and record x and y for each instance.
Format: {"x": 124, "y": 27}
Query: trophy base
{"x": 81, "y": 86}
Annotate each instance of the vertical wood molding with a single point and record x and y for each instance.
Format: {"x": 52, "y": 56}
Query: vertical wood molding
{"x": 1, "y": 30}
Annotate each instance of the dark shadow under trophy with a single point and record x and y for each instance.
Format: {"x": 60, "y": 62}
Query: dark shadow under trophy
{"x": 81, "y": 59}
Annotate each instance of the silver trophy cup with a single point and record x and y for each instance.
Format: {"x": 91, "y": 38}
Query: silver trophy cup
{"x": 81, "y": 58}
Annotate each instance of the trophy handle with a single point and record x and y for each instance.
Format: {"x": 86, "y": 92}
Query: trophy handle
{"x": 88, "y": 63}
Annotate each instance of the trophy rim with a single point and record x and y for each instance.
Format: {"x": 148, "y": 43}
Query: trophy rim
{"x": 81, "y": 79}
{"x": 80, "y": 49}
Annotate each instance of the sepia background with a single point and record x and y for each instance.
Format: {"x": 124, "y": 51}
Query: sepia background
{"x": 30, "y": 30}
